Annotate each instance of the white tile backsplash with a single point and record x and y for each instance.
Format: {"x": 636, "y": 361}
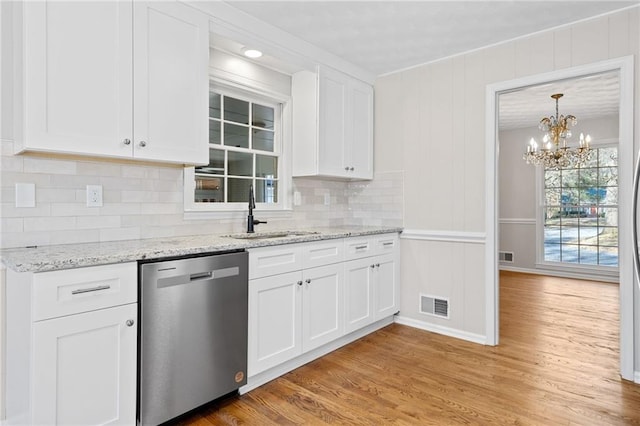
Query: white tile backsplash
{"x": 146, "y": 201}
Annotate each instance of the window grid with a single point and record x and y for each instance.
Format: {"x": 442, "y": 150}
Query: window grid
{"x": 580, "y": 212}
{"x": 235, "y": 186}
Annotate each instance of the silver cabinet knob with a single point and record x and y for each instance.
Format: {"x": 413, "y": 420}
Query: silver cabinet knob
{"x": 127, "y": 141}
{"x": 346, "y": 169}
{"x": 373, "y": 266}
{"x": 377, "y": 265}
{"x": 351, "y": 168}
{"x": 143, "y": 144}
{"x": 130, "y": 322}
{"x": 308, "y": 280}
{"x": 299, "y": 282}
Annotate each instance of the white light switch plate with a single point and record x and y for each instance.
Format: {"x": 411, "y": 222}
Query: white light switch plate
{"x": 94, "y": 195}
{"x": 25, "y": 194}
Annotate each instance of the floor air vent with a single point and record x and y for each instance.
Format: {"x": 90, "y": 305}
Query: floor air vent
{"x": 506, "y": 256}
{"x": 436, "y": 306}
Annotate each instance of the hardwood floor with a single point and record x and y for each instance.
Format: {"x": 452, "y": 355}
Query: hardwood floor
{"x": 557, "y": 364}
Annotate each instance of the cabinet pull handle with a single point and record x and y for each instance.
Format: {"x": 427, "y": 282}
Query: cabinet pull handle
{"x": 373, "y": 266}
{"x": 361, "y": 247}
{"x": 89, "y": 290}
{"x": 351, "y": 168}
{"x": 377, "y": 265}
{"x": 127, "y": 141}
{"x": 130, "y": 323}
{"x": 308, "y": 281}
{"x": 143, "y": 144}
{"x": 299, "y": 282}
{"x": 346, "y": 169}
{"x": 389, "y": 243}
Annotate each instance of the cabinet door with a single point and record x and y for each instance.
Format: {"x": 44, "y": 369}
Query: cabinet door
{"x": 84, "y": 368}
{"x": 274, "y": 321}
{"x": 359, "y": 144}
{"x": 171, "y": 50}
{"x": 322, "y": 305}
{"x": 387, "y": 277}
{"x": 358, "y": 294}
{"x": 332, "y": 120}
{"x": 77, "y": 77}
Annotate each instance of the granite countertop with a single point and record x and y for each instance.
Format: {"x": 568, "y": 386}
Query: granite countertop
{"x": 66, "y": 256}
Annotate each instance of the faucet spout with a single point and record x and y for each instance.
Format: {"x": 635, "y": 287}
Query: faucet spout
{"x": 252, "y": 205}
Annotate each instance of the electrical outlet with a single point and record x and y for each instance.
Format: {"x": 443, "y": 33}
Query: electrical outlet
{"x": 94, "y": 195}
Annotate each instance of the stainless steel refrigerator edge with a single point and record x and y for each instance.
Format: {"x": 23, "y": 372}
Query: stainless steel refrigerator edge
{"x": 193, "y": 333}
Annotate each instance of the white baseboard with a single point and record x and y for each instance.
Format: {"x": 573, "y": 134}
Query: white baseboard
{"x": 636, "y": 377}
{"x": 561, "y": 274}
{"x": 277, "y": 371}
{"x": 451, "y": 332}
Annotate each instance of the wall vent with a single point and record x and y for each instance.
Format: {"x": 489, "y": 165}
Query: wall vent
{"x": 506, "y": 256}
{"x": 436, "y": 306}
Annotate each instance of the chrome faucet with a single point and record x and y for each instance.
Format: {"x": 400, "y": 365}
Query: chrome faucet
{"x": 252, "y": 205}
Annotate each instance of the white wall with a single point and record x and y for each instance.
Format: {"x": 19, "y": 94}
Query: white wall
{"x": 517, "y": 187}
{"x": 430, "y": 123}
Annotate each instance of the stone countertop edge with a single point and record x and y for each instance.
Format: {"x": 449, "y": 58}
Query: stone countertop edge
{"x": 68, "y": 256}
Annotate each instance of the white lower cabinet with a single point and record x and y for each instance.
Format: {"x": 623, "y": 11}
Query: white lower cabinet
{"x": 305, "y": 296}
{"x": 85, "y": 368}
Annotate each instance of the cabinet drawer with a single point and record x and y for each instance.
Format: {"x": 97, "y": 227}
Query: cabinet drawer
{"x": 322, "y": 253}
{"x": 357, "y": 248}
{"x": 274, "y": 260}
{"x": 72, "y": 291}
{"x": 387, "y": 243}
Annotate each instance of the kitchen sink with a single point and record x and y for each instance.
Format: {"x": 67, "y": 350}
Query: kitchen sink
{"x": 270, "y": 234}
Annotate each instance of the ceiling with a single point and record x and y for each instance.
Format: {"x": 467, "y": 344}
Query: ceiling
{"x": 386, "y": 36}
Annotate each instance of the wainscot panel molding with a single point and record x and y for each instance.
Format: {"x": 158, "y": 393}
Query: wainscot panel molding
{"x": 446, "y": 236}
{"x": 517, "y": 221}
{"x": 447, "y": 331}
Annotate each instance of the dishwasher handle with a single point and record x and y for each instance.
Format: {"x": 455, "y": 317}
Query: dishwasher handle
{"x": 201, "y": 275}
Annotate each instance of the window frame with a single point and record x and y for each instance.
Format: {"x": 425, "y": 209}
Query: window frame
{"x": 577, "y": 268}
{"x": 282, "y": 150}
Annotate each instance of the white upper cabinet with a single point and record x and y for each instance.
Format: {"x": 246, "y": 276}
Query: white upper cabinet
{"x": 115, "y": 79}
{"x": 332, "y": 125}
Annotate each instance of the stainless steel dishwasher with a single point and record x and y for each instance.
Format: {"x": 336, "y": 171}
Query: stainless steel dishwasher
{"x": 193, "y": 333}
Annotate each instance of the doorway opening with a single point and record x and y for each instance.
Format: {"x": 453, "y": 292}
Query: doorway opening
{"x": 623, "y": 69}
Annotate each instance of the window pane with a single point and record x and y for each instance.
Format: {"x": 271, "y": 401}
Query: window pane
{"x": 608, "y": 237}
{"x": 214, "y": 105}
{"x": 589, "y": 235}
{"x": 262, "y": 116}
{"x": 266, "y": 166}
{"x": 238, "y": 190}
{"x": 552, "y": 252}
{"x": 209, "y": 190}
{"x": 593, "y": 159}
{"x": 263, "y": 140}
{"x": 552, "y": 197}
{"x": 552, "y": 216}
{"x": 588, "y": 177}
{"x": 569, "y": 177}
{"x": 608, "y": 176}
{"x": 214, "y": 132}
{"x": 216, "y": 163}
{"x": 608, "y": 157}
{"x": 240, "y": 164}
{"x": 266, "y": 191}
{"x": 552, "y": 178}
{"x": 552, "y": 234}
{"x": 236, "y": 110}
{"x": 570, "y": 196}
{"x": 608, "y": 216}
{"x": 237, "y": 136}
{"x": 589, "y": 255}
{"x": 569, "y": 234}
{"x": 608, "y": 256}
{"x": 570, "y": 253}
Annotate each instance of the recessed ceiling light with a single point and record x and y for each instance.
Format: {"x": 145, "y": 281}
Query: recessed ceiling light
{"x": 251, "y": 53}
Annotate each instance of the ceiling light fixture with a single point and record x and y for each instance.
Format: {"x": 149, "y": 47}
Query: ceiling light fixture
{"x": 554, "y": 153}
{"x": 251, "y": 53}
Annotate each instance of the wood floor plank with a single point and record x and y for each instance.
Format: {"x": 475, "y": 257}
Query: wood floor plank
{"x": 557, "y": 363}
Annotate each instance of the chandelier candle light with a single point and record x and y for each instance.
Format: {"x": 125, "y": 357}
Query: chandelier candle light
{"x": 554, "y": 153}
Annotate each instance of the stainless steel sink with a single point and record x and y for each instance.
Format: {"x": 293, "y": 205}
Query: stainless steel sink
{"x": 271, "y": 234}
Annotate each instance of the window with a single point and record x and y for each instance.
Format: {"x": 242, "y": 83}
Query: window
{"x": 245, "y": 149}
{"x": 580, "y": 212}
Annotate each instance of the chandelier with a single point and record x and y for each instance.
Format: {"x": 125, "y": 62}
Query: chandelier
{"x": 554, "y": 153}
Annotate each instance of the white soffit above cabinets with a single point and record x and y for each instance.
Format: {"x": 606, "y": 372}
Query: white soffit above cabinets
{"x": 387, "y": 36}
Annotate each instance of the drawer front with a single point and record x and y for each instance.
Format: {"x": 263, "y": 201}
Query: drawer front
{"x": 322, "y": 253}
{"x": 357, "y": 248}
{"x": 267, "y": 261}
{"x": 73, "y": 291}
{"x": 387, "y": 243}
